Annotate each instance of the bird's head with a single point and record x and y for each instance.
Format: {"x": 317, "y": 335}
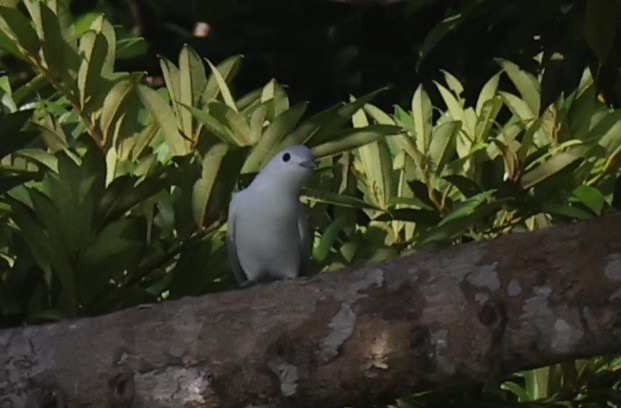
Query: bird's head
{"x": 290, "y": 168}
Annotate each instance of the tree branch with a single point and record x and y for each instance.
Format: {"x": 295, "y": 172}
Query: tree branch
{"x": 355, "y": 336}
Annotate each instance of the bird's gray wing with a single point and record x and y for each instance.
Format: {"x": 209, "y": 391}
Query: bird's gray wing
{"x": 305, "y": 240}
{"x": 238, "y": 272}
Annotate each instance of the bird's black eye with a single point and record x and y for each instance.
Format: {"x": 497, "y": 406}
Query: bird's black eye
{"x": 286, "y": 157}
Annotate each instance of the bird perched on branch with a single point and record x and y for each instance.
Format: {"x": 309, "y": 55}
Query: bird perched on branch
{"x": 267, "y": 230}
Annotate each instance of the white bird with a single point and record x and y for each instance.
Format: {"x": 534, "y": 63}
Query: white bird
{"x": 267, "y": 230}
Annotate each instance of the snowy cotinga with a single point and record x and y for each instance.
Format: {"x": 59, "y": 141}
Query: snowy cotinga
{"x": 267, "y": 232}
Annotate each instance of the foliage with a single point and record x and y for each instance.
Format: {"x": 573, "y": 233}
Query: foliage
{"x": 473, "y": 172}
{"x": 327, "y": 50}
{"x": 113, "y": 193}
{"x": 590, "y": 383}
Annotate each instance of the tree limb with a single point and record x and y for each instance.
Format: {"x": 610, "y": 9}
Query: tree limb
{"x": 355, "y": 336}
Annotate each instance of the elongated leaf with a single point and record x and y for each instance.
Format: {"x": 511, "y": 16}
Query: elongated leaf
{"x": 525, "y": 82}
{"x": 337, "y": 199}
{"x": 232, "y": 119}
{"x": 336, "y": 120}
{"x": 165, "y": 118}
{"x": 227, "y": 70}
{"x": 442, "y": 145}
{"x": 17, "y": 27}
{"x": 192, "y": 82}
{"x": 351, "y": 138}
{"x": 273, "y": 136}
{"x": 487, "y": 118}
{"x": 40, "y": 157}
{"x": 422, "y": 115}
{"x": 457, "y": 226}
{"x": 94, "y": 48}
{"x": 328, "y": 238}
{"x": 464, "y": 208}
{"x": 564, "y": 210}
{"x": 112, "y": 107}
{"x": 213, "y": 125}
{"x": 453, "y": 83}
{"x": 223, "y": 87}
{"x": 275, "y": 98}
{"x": 202, "y": 189}
{"x": 11, "y": 139}
{"x": 591, "y": 197}
{"x": 519, "y": 107}
{"x": 171, "y": 78}
{"x": 453, "y": 105}
{"x": 103, "y": 27}
{"x": 55, "y": 51}
{"x": 546, "y": 169}
{"x": 412, "y": 202}
{"x": 487, "y": 92}
{"x": 307, "y": 129}
{"x": 375, "y": 166}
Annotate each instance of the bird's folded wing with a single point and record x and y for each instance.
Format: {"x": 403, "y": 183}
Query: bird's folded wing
{"x": 305, "y": 242}
{"x": 231, "y": 247}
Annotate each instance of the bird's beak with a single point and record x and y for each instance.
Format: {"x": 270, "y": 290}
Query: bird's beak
{"x": 309, "y": 164}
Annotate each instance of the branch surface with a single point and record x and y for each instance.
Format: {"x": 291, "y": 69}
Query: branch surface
{"x": 351, "y": 337}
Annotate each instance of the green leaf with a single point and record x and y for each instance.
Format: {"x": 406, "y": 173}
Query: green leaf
{"x": 458, "y": 225}
{"x": 607, "y": 132}
{"x": 564, "y": 210}
{"x": 341, "y": 200}
{"x": 487, "y": 118}
{"x": 202, "y": 189}
{"x": 591, "y": 197}
{"x": 466, "y": 186}
{"x": 467, "y": 207}
{"x": 454, "y": 106}
{"x": 171, "y": 78}
{"x": 332, "y": 120}
{"x": 375, "y": 164}
{"x": 235, "y": 121}
{"x": 453, "y": 83}
{"x": 94, "y": 49}
{"x": 518, "y": 107}
{"x": 213, "y": 125}
{"x": 275, "y": 98}
{"x": 487, "y": 93}
{"x": 422, "y": 115}
{"x": 525, "y": 82}
{"x": 11, "y": 138}
{"x": 226, "y": 70}
{"x": 442, "y": 145}
{"x": 328, "y": 238}
{"x": 57, "y": 53}
{"x": 418, "y": 216}
{"x": 351, "y": 138}
{"x": 192, "y": 83}
{"x": 546, "y": 169}
{"x": 411, "y": 202}
{"x": 273, "y": 136}
{"x": 17, "y": 27}
{"x": 112, "y": 107}
{"x": 516, "y": 389}
{"x": 102, "y": 26}
{"x": 40, "y": 156}
{"x": 309, "y": 128}
{"x": 222, "y": 86}
{"x": 166, "y": 119}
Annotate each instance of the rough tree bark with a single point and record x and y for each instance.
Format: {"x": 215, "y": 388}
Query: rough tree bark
{"x": 468, "y": 312}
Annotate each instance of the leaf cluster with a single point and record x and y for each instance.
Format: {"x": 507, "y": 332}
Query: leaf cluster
{"x": 113, "y": 193}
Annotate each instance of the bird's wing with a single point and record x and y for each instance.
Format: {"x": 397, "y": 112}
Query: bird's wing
{"x": 305, "y": 240}
{"x": 238, "y": 272}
